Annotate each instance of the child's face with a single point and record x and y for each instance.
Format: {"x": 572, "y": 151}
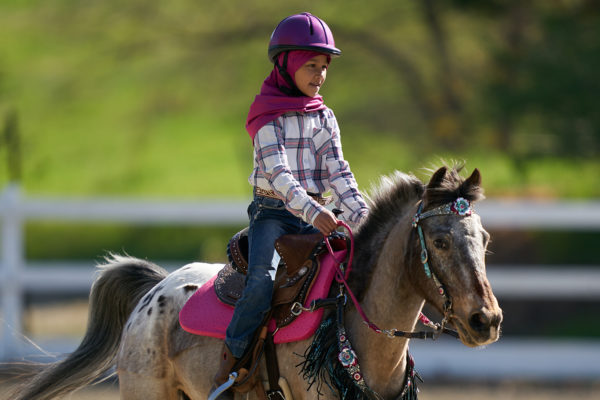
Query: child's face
{"x": 311, "y": 76}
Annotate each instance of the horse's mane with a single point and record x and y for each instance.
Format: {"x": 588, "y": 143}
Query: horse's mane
{"x": 388, "y": 202}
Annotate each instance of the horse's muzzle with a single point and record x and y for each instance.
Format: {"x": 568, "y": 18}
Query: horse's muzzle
{"x": 482, "y": 327}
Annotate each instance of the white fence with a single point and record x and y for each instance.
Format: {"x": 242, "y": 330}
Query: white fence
{"x": 18, "y": 275}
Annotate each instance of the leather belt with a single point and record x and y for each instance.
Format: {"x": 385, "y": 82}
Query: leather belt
{"x": 271, "y": 194}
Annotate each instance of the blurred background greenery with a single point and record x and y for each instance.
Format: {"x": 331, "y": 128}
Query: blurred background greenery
{"x": 146, "y": 98}
{"x": 134, "y": 97}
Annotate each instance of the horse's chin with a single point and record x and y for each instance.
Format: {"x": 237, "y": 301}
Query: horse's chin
{"x": 473, "y": 338}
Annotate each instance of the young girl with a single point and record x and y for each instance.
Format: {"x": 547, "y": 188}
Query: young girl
{"x": 297, "y": 157}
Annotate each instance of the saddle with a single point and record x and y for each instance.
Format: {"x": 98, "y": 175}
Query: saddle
{"x": 304, "y": 266}
{"x": 298, "y": 269}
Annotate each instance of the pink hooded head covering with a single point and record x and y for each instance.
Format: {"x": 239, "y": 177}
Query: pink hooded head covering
{"x": 273, "y": 102}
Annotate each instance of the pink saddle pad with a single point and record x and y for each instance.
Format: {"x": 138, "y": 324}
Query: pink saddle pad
{"x": 203, "y": 314}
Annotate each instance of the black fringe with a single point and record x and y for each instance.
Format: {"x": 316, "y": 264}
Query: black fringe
{"x": 320, "y": 355}
{"x": 321, "y": 366}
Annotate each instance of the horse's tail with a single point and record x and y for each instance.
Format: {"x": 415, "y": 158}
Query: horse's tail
{"x": 122, "y": 283}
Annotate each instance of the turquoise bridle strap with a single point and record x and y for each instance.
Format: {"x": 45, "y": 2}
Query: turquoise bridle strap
{"x": 424, "y": 256}
{"x": 425, "y": 262}
{"x": 461, "y": 207}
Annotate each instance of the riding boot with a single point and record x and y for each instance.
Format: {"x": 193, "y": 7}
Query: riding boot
{"x": 227, "y": 363}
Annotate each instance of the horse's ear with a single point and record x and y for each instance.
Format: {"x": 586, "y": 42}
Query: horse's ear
{"x": 474, "y": 180}
{"x": 437, "y": 178}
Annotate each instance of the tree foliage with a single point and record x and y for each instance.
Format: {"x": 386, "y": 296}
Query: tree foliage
{"x": 120, "y": 85}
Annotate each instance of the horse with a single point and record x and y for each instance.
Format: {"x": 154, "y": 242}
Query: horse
{"x": 134, "y": 304}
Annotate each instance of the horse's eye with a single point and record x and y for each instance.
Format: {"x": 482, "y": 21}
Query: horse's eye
{"x": 440, "y": 244}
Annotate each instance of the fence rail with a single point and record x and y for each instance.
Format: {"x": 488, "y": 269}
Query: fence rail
{"x": 17, "y": 275}
{"x": 567, "y": 282}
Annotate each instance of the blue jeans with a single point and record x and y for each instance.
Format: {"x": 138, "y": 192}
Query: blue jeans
{"x": 268, "y": 220}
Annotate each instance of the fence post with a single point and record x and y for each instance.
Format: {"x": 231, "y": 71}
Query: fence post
{"x": 11, "y": 262}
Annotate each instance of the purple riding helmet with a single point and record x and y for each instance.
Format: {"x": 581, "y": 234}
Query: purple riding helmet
{"x": 302, "y": 32}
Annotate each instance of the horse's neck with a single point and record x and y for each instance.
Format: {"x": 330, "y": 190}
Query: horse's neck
{"x": 389, "y": 302}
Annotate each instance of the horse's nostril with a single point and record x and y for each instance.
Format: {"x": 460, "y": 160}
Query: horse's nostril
{"x": 479, "y": 321}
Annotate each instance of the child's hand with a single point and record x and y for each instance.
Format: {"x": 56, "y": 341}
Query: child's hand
{"x": 326, "y": 222}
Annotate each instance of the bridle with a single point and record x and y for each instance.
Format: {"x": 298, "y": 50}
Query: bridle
{"x": 461, "y": 207}
{"x": 346, "y": 356}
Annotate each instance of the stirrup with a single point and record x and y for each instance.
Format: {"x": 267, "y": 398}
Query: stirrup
{"x": 219, "y": 391}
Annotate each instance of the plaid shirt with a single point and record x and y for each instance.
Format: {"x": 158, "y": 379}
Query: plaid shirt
{"x": 299, "y": 153}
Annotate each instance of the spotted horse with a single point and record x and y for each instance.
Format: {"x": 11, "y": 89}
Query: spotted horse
{"x": 421, "y": 243}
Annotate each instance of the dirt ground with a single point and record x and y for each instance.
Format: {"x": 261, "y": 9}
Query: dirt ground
{"x": 496, "y": 391}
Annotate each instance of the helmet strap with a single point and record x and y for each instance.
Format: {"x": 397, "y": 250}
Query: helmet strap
{"x": 293, "y": 90}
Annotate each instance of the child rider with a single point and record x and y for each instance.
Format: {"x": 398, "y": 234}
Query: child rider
{"x": 297, "y": 158}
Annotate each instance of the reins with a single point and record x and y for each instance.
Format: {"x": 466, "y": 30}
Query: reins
{"x": 342, "y": 274}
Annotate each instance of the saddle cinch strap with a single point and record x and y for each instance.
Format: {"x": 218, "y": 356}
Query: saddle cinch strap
{"x": 298, "y": 270}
